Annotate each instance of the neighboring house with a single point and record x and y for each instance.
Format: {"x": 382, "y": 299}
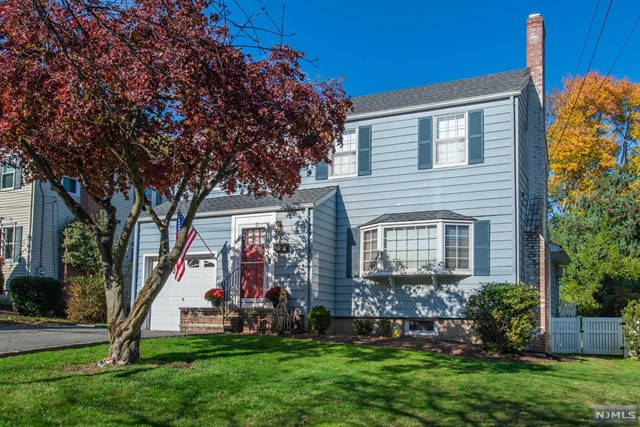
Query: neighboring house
{"x": 435, "y": 190}
{"x": 31, "y": 218}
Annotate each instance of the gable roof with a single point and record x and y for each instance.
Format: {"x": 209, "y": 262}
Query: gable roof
{"x": 418, "y": 216}
{"x": 492, "y": 84}
{"x": 300, "y": 199}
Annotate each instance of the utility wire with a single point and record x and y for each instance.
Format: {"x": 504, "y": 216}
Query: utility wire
{"x": 595, "y": 49}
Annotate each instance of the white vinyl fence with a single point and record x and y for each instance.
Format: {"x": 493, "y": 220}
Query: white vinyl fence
{"x": 587, "y": 335}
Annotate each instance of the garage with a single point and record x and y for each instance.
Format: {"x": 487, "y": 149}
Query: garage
{"x": 199, "y": 277}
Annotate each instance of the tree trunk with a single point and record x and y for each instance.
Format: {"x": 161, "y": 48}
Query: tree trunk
{"x": 125, "y": 345}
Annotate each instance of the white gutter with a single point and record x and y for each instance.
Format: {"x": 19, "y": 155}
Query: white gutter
{"x": 417, "y": 108}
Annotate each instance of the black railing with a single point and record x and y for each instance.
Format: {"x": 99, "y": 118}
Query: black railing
{"x": 232, "y": 297}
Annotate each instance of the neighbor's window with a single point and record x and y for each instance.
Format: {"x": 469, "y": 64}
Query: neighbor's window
{"x": 7, "y": 178}
{"x": 456, "y": 246}
{"x": 412, "y": 247}
{"x": 8, "y": 243}
{"x": 450, "y": 141}
{"x": 344, "y": 159}
{"x": 71, "y": 185}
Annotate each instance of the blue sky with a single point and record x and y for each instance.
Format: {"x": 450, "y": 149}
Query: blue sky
{"x": 379, "y": 45}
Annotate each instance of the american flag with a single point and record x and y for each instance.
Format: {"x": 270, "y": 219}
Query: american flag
{"x": 179, "y": 268}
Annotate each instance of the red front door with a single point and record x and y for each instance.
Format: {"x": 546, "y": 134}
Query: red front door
{"x": 252, "y": 263}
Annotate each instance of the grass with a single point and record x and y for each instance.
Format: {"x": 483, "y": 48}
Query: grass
{"x": 229, "y": 380}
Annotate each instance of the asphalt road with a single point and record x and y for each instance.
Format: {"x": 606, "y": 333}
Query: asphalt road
{"x": 19, "y": 339}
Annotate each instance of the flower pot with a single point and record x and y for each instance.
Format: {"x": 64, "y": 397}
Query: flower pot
{"x": 216, "y": 303}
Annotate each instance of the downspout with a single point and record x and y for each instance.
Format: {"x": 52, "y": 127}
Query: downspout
{"x": 307, "y": 213}
{"x": 134, "y": 260}
{"x": 516, "y": 227}
{"x": 30, "y": 235}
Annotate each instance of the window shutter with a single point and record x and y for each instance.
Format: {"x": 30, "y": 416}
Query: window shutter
{"x": 476, "y": 136}
{"x": 17, "y": 178}
{"x": 322, "y": 171}
{"x": 17, "y": 243}
{"x": 425, "y": 143}
{"x": 364, "y": 150}
{"x": 481, "y": 248}
{"x": 353, "y": 252}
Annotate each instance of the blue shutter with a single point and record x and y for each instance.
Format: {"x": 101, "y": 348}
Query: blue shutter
{"x": 17, "y": 244}
{"x": 481, "y": 248}
{"x": 364, "y": 150}
{"x": 353, "y": 252}
{"x": 425, "y": 143}
{"x": 476, "y": 136}
{"x": 322, "y": 171}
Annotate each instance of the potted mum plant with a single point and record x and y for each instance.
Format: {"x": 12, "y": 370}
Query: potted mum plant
{"x": 273, "y": 295}
{"x": 215, "y": 296}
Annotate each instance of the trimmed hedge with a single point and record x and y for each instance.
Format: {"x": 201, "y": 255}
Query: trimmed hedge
{"x": 319, "y": 319}
{"x": 36, "y": 296}
{"x": 86, "y": 300}
{"x": 503, "y": 315}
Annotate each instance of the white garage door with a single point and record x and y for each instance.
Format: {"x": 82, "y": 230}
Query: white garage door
{"x": 199, "y": 277}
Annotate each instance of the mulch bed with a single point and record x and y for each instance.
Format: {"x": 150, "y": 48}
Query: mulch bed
{"x": 452, "y": 348}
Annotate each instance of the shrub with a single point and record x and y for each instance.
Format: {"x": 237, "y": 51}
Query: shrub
{"x": 503, "y": 315}
{"x": 86, "y": 302}
{"x": 384, "y": 327}
{"x": 36, "y": 296}
{"x": 319, "y": 319}
{"x": 80, "y": 248}
{"x": 631, "y": 328}
{"x": 362, "y": 326}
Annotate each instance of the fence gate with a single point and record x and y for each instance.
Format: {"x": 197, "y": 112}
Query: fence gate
{"x": 587, "y": 335}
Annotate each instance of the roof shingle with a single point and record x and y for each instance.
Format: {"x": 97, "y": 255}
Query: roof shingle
{"x": 491, "y": 84}
{"x": 418, "y": 216}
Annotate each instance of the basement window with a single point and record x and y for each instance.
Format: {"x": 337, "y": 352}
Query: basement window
{"x": 420, "y": 327}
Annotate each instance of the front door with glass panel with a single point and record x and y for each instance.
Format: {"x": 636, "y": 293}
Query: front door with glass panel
{"x": 252, "y": 263}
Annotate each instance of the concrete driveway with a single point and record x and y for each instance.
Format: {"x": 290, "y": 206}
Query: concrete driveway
{"x": 20, "y": 339}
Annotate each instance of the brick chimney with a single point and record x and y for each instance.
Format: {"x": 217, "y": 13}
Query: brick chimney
{"x": 536, "y": 246}
{"x": 535, "y": 52}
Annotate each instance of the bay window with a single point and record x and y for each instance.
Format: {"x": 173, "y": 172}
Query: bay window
{"x": 417, "y": 247}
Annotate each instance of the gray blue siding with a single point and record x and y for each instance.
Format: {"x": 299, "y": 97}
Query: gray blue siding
{"x": 484, "y": 191}
{"x": 324, "y": 254}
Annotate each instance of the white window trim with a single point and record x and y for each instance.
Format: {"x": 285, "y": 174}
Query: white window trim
{"x": 3, "y": 173}
{"x": 13, "y": 243}
{"x": 440, "y": 250}
{"x": 434, "y": 132}
{"x": 355, "y": 151}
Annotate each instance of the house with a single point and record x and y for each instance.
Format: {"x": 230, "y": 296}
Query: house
{"x": 32, "y": 217}
{"x": 435, "y": 190}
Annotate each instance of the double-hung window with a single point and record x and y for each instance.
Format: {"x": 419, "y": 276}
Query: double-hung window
{"x": 451, "y": 140}
{"x": 11, "y": 243}
{"x": 345, "y": 157}
{"x": 7, "y": 177}
{"x": 153, "y": 197}
{"x": 417, "y": 247}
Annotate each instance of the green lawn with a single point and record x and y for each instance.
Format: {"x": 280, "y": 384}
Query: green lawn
{"x": 257, "y": 381}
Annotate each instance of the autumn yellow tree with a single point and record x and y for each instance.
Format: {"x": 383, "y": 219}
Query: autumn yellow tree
{"x": 594, "y": 127}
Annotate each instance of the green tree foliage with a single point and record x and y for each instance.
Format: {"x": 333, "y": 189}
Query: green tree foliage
{"x": 80, "y": 249}
{"x": 601, "y": 234}
{"x": 631, "y": 328}
{"x": 319, "y": 319}
{"x": 503, "y": 315}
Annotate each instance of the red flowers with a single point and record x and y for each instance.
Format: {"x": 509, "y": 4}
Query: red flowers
{"x": 273, "y": 295}
{"x": 214, "y": 294}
